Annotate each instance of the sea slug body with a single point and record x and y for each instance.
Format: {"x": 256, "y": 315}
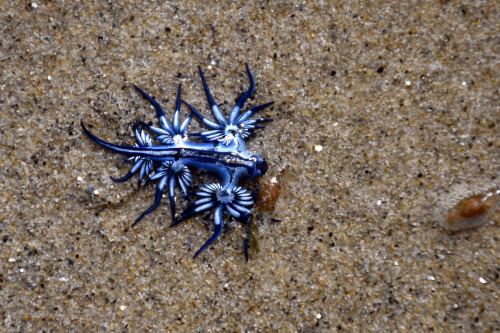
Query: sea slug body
{"x": 220, "y": 150}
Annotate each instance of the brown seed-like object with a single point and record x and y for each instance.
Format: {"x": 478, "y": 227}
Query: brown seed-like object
{"x": 269, "y": 193}
{"x": 473, "y": 211}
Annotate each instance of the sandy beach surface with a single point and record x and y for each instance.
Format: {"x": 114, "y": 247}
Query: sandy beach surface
{"x": 386, "y": 115}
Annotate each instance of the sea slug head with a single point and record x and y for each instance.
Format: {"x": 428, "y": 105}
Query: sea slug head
{"x": 260, "y": 167}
